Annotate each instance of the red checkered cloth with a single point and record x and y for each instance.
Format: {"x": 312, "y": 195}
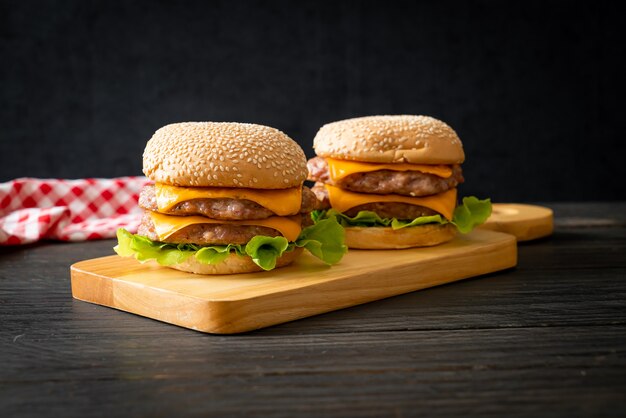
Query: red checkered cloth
{"x": 68, "y": 210}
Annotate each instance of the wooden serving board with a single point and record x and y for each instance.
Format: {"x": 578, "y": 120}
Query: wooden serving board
{"x": 525, "y": 222}
{"x": 236, "y": 303}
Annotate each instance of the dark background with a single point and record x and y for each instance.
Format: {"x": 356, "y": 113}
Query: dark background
{"x": 534, "y": 89}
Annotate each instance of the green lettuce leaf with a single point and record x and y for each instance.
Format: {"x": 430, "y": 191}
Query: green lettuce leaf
{"x": 124, "y": 239}
{"x": 422, "y": 220}
{"x": 363, "y": 218}
{"x": 215, "y": 254}
{"x": 264, "y": 251}
{"x": 325, "y": 240}
{"x": 143, "y": 249}
{"x": 471, "y": 213}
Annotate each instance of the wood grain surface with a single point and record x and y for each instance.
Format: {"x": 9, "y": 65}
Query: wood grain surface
{"x": 227, "y": 304}
{"x": 525, "y": 222}
{"x": 545, "y": 339}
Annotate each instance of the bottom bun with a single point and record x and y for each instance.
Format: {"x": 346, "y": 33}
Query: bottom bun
{"x": 386, "y": 238}
{"x": 233, "y": 264}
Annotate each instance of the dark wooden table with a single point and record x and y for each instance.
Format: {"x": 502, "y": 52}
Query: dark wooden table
{"x": 545, "y": 339}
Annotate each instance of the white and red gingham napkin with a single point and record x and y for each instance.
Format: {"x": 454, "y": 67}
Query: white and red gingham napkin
{"x": 68, "y": 210}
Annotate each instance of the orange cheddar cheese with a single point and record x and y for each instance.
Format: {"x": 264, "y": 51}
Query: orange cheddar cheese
{"x": 339, "y": 169}
{"x": 343, "y": 200}
{"x": 282, "y": 202}
{"x": 166, "y": 225}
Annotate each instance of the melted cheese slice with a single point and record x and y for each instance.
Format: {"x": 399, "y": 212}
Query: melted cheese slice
{"x": 166, "y": 225}
{"x": 339, "y": 169}
{"x": 282, "y": 202}
{"x": 343, "y": 200}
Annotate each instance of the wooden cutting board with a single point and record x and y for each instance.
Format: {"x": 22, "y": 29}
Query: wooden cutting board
{"x": 525, "y": 222}
{"x": 243, "y": 302}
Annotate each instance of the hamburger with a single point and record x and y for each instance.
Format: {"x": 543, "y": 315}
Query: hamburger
{"x": 227, "y": 198}
{"x": 391, "y": 181}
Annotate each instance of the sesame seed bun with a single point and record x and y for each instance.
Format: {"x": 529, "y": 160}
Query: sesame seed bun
{"x": 385, "y": 238}
{"x": 390, "y": 139}
{"x": 233, "y": 264}
{"x": 224, "y": 154}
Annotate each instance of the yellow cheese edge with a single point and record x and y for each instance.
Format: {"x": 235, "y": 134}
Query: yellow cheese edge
{"x": 282, "y": 202}
{"x": 339, "y": 169}
{"x": 343, "y": 200}
{"x": 166, "y": 225}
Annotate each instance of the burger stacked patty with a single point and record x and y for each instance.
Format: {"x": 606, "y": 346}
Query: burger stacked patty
{"x": 204, "y": 234}
{"x": 222, "y": 209}
{"x": 407, "y": 183}
{"x": 396, "y": 210}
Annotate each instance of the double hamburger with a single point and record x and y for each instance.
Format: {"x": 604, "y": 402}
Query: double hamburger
{"x": 227, "y": 198}
{"x": 391, "y": 181}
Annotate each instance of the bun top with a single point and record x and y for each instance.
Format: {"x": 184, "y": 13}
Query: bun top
{"x": 224, "y": 154}
{"x": 390, "y": 139}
